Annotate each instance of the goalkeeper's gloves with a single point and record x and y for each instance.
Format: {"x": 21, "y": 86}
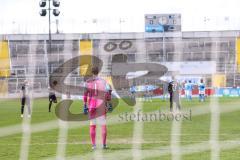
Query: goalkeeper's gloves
{"x": 109, "y": 107}
{"x": 85, "y": 109}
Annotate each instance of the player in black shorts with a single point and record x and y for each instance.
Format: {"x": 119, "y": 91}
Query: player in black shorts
{"x": 52, "y": 98}
{"x": 25, "y": 98}
{"x": 174, "y": 89}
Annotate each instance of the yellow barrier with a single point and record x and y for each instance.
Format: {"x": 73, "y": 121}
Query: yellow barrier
{"x": 238, "y": 53}
{"x": 3, "y": 87}
{"x": 4, "y": 59}
{"x": 85, "y": 49}
{"x": 219, "y": 80}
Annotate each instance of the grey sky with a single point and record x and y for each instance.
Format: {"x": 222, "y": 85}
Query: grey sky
{"x": 22, "y": 16}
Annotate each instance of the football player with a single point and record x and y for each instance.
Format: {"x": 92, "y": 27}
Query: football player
{"x": 97, "y": 95}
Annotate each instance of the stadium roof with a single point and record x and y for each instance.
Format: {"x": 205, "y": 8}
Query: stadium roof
{"x": 206, "y": 34}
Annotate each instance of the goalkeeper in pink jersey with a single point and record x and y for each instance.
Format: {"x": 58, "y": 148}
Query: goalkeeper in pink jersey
{"x": 97, "y": 97}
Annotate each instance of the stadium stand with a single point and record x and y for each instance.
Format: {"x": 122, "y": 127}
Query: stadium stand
{"x": 186, "y": 47}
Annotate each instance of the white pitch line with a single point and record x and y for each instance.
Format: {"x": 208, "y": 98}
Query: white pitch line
{"x": 62, "y": 140}
{"x": 137, "y": 132}
{"x": 160, "y": 151}
{"x": 214, "y": 128}
{"x": 176, "y": 139}
{"x": 25, "y": 138}
{"x": 51, "y": 125}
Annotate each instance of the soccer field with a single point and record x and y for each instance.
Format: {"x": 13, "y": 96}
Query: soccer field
{"x": 207, "y": 134}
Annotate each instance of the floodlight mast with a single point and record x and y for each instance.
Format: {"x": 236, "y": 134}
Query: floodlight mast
{"x": 43, "y": 12}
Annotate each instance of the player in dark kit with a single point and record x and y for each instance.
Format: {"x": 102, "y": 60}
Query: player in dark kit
{"x": 52, "y": 98}
{"x": 25, "y": 98}
{"x": 173, "y": 89}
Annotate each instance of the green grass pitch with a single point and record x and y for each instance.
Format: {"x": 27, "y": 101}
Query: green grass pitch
{"x": 155, "y": 141}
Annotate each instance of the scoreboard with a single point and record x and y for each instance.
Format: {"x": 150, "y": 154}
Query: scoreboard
{"x": 162, "y": 22}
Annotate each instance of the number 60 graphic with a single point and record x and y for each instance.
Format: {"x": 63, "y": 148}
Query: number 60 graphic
{"x": 119, "y": 69}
